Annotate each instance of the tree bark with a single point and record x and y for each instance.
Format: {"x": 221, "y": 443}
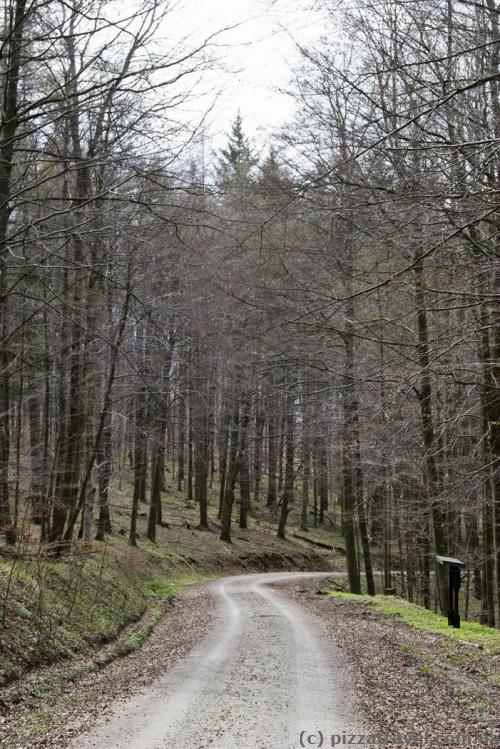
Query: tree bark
{"x": 288, "y": 488}
{"x": 260, "y": 421}
{"x": 140, "y": 461}
{"x": 306, "y": 466}
{"x": 38, "y": 492}
{"x": 223, "y": 452}
{"x": 181, "y": 443}
{"x": 232, "y": 476}
{"x": 425, "y": 398}
{"x": 272, "y": 457}
{"x": 8, "y": 130}
{"x": 244, "y": 464}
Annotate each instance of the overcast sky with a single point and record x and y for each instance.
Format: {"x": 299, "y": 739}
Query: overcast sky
{"x": 257, "y": 55}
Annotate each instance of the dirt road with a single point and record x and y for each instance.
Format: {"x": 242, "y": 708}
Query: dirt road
{"x": 264, "y": 675}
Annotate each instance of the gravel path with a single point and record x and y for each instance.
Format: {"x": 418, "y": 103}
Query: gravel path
{"x": 266, "y": 673}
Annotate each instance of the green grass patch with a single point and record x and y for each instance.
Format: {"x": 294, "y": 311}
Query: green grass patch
{"x": 426, "y": 670}
{"x": 140, "y": 634}
{"x": 164, "y": 588}
{"x": 52, "y": 610}
{"x": 419, "y": 618}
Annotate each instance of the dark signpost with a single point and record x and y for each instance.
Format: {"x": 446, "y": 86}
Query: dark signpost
{"x": 454, "y": 567}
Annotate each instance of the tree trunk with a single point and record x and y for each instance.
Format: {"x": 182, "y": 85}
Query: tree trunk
{"x": 322, "y": 478}
{"x": 88, "y": 511}
{"x": 201, "y": 432}
{"x": 223, "y": 451}
{"x": 488, "y": 415}
{"x": 157, "y": 468}
{"x": 244, "y": 464}
{"x": 260, "y": 421}
{"x": 425, "y": 398}
{"x": 348, "y": 499}
{"x": 272, "y": 458}
{"x": 190, "y": 452}
{"x": 281, "y": 451}
{"x": 232, "y": 476}
{"x": 354, "y": 452}
{"x": 104, "y": 467}
{"x": 306, "y": 466}
{"x": 181, "y": 443}
{"x": 288, "y": 489}
{"x": 10, "y": 123}
{"x": 37, "y": 486}
{"x": 140, "y": 461}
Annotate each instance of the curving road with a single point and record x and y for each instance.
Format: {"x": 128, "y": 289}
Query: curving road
{"x": 265, "y": 674}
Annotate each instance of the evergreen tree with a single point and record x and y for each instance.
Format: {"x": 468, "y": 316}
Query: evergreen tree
{"x": 236, "y": 160}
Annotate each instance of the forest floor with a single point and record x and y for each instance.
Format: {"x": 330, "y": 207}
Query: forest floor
{"x": 252, "y": 658}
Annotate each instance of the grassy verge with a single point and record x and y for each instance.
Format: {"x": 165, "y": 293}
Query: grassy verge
{"x": 53, "y": 610}
{"x": 83, "y": 604}
{"x": 419, "y": 618}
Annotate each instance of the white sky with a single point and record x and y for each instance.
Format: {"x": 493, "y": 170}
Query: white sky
{"x": 256, "y": 57}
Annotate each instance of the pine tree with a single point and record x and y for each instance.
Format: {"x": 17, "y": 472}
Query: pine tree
{"x": 236, "y": 160}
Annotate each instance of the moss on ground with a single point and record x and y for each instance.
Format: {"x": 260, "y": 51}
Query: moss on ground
{"x": 420, "y": 618}
{"x": 56, "y": 609}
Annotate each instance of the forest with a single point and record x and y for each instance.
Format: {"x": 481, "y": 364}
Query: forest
{"x": 304, "y": 333}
